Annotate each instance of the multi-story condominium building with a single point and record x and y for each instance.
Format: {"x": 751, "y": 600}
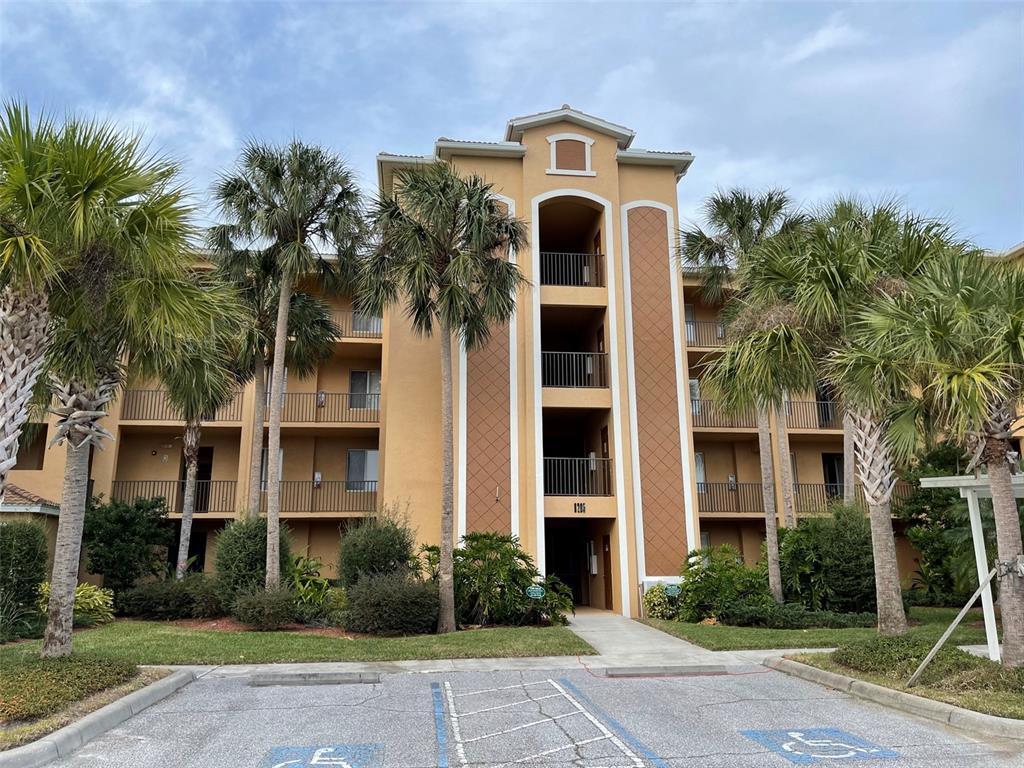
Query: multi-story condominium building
{"x": 581, "y": 427}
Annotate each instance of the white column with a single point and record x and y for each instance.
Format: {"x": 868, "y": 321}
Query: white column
{"x": 981, "y": 560}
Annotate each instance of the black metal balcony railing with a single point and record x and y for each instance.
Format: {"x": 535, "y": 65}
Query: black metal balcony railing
{"x": 705, "y": 333}
{"x": 153, "y": 405}
{"x": 211, "y": 495}
{"x": 814, "y": 414}
{"x": 730, "y": 497}
{"x": 577, "y": 269}
{"x": 577, "y": 477}
{"x": 574, "y": 369}
{"x": 321, "y": 407}
{"x": 707, "y": 413}
{"x": 330, "y": 496}
{"x": 356, "y": 325}
{"x": 813, "y": 498}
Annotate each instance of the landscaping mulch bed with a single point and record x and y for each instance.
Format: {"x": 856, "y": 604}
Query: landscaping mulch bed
{"x": 227, "y": 624}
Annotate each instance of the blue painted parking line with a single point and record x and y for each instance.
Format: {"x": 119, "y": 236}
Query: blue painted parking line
{"x": 620, "y": 730}
{"x": 439, "y": 727}
{"x": 807, "y": 746}
{"x": 335, "y": 755}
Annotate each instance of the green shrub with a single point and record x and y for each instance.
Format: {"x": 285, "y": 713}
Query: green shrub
{"x": 827, "y": 562}
{"x": 392, "y": 604}
{"x": 492, "y": 573}
{"x": 791, "y": 616}
{"x": 93, "y": 605}
{"x": 19, "y": 621}
{"x": 194, "y": 597}
{"x": 241, "y": 559}
{"x": 329, "y": 613}
{"x": 309, "y": 587}
{"x": 124, "y": 542}
{"x": 714, "y": 579}
{"x": 31, "y": 688}
{"x": 658, "y": 604}
{"x": 896, "y": 658}
{"x": 22, "y": 562}
{"x": 380, "y": 544}
{"x": 265, "y": 609}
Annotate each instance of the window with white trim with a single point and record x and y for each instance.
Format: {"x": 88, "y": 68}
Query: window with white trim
{"x": 570, "y": 154}
{"x": 361, "y": 469}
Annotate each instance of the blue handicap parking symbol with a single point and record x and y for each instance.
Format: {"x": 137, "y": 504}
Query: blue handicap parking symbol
{"x": 807, "y": 746}
{"x": 336, "y": 755}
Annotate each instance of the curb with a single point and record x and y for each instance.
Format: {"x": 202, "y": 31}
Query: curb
{"x": 313, "y": 678}
{"x": 958, "y": 717}
{"x": 63, "y": 742}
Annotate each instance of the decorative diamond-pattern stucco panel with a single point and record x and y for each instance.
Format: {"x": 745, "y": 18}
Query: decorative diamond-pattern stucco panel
{"x": 664, "y": 516}
{"x": 488, "y": 445}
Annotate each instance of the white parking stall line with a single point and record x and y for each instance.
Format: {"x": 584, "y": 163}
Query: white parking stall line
{"x": 637, "y": 761}
{"x": 520, "y": 727}
{"x": 517, "y": 686}
{"x": 506, "y": 706}
{"x": 604, "y": 734}
{"x": 460, "y": 749}
{"x": 547, "y": 752}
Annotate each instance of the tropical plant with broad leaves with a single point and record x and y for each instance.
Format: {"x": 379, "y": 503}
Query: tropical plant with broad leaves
{"x": 440, "y": 251}
{"x": 955, "y": 342}
{"x": 739, "y": 223}
{"x": 295, "y": 203}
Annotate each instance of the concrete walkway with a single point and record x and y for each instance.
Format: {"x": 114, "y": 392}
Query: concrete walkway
{"x": 623, "y": 642}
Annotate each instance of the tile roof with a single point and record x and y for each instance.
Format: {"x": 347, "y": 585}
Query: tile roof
{"x": 15, "y": 494}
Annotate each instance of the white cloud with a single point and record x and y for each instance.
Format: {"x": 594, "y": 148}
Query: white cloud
{"x": 833, "y": 35}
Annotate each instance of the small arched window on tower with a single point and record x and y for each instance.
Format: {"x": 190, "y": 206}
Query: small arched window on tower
{"x": 570, "y": 154}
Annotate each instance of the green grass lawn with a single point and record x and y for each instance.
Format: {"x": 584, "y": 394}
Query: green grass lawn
{"x": 928, "y": 624}
{"x": 150, "y": 642}
{"x": 1002, "y": 703}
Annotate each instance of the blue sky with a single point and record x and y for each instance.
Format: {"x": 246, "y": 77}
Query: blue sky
{"x": 921, "y": 100}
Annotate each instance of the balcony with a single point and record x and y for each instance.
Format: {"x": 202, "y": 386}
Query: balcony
{"x": 329, "y": 497}
{"x": 356, "y": 325}
{"x": 815, "y": 498}
{"x": 211, "y": 495}
{"x": 583, "y": 270}
{"x": 705, "y": 333}
{"x": 814, "y": 414}
{"x": 577, "y": 477}
{"x": 730, "y": 498}
{"x": 153, "y": 405}
{"x": 574, "y": 369}
{"x": 329, "y": 408}
{"x": 707, "y": 414}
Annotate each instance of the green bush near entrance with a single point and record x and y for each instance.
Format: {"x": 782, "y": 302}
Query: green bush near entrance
{"x": 241, "y": 559}
{"x": 392, "y": 604}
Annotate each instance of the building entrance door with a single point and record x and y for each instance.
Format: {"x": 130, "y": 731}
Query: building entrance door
{"x": 579, "y": 552}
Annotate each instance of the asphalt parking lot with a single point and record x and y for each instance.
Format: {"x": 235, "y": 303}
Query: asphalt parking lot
{"x": 550, "y": 718}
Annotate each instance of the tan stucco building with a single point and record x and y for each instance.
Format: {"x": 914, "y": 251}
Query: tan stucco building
{"x": 580, "y": 427}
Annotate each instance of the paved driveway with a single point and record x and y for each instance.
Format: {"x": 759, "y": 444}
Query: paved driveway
{"x": 750, "y": 717}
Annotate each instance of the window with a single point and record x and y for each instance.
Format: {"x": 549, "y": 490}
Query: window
{"x": 364, "y": 389}
{"x": 367, "y": 324}
{"x": 705, "y": 540}
{"x": 570, "y": 154}
{"x": 32, "y": 447}
{"x": 361, "y": 470}
{"x": 698, "y": 462}
{"x": 691, "y": 328}
{"x": 695, "y": 396}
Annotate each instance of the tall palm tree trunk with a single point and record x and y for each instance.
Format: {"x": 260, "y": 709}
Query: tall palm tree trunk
{"x": 771, "y": 522}
{"x": 785, "y": 467}
{"x": 190, "y": 449}
{"x": 877, "y": 474}
{"x": 79, "y": 426}
{"x": 446, "y": 615}
{"x": 849, "y": 463}
{"x": 259, "y": 410}
{"x": 274, "y": 436}
{"x": 1009, "y": 551}
{"x": 24, "y": 322}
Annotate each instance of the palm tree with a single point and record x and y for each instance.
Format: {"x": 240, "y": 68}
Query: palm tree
{"x": 199, "y": 382}
{"x": 740, "y": 223}
{"x": 311, "y": 334}
{"x": 800, "y": 296}
{"x": 291, "y": 200}
{"x": 440, "y": 247}
{"x": 957, "y": 336}
{"x": 124, "y": 301}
